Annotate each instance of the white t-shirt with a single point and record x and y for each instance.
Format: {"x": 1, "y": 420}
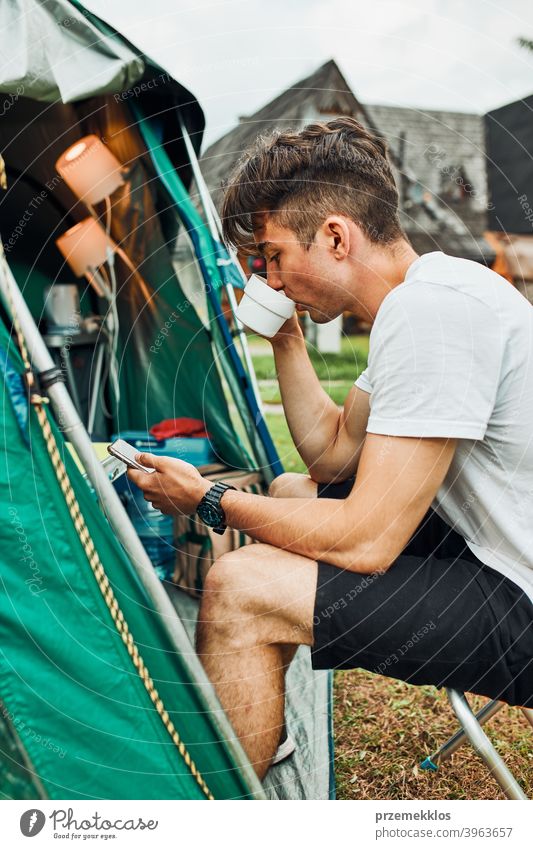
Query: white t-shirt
{"x": 451, "y": 354}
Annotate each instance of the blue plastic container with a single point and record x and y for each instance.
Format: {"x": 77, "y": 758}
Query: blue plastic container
{"x": 154, "y": 529}
{"x": 192, "y": 449}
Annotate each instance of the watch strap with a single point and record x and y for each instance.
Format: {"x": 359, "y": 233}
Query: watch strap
{"x": 213, "y": 497}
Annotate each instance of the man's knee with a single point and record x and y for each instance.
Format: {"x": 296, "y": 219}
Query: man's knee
{"x": 233, "y": 604}
{"x": 282, "y": 485}
{"x": 236, "y": 577}
{"x": 264, "y": 590}
{"x": 292, "y": 485}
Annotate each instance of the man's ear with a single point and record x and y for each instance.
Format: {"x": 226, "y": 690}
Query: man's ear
{"x": 337, "y": 236}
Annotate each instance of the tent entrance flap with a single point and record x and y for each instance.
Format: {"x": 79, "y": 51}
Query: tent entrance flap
{"x": 242, "y": 390}
{"x": 167, "y": 368}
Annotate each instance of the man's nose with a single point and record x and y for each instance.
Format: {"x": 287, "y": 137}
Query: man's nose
{"x": 274, "y": 280}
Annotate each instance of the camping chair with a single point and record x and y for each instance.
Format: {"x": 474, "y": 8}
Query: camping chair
{"x": 471, "y": 728}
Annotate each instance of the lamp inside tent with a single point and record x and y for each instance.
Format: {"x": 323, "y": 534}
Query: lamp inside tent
{"x": 116, "y": 290}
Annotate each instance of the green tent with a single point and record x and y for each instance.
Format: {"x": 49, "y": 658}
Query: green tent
{"x": 77, "y": 720}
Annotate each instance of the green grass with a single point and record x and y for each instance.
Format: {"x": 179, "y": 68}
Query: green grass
{"x": 337, "y": 391}
{"x": 344, "y": 368}
{"x": 384, "y": 728}
{"x": 336, "y": 372}
{"x": 279, "y": 431}
{"x": 347, "y": 365}
{"x": 270, "y": 393}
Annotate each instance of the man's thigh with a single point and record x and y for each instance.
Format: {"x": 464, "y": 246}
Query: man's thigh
{"x": 418, "y": 612}
{"x": 426, "y": 621}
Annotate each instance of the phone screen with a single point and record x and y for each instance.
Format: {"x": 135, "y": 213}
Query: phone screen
{"x": 126, "y": 452}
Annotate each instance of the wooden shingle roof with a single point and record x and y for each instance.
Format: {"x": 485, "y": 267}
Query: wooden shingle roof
{"x": 429, "y": 149}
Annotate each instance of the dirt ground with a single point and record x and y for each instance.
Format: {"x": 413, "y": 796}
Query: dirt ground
{"x": 385, "y": 728}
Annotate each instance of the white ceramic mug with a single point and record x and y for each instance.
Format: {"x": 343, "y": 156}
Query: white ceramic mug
{"x": 263, "y": 309}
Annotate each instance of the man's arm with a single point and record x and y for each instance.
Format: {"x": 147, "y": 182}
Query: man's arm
{"x": 397, "y": 480}
{"x": 329, "y": 441}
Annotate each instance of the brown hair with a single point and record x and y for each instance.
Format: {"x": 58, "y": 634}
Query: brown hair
{"x": 302, "y": 177}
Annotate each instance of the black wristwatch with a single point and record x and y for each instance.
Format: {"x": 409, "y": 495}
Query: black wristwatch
{"x": 210, "y": 510}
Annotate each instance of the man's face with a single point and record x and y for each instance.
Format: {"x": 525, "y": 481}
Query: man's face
{"x": 307, "y": 276}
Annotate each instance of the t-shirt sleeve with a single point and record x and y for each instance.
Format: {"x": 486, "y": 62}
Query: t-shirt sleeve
{"x": 434, "y": 363}
{"x": 363, "y": 382}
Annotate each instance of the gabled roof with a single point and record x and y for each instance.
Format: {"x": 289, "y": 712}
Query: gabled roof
{"x": 325, "y": 91}
{"x": 422, "y": 144}
{"x": 326, "y": 87}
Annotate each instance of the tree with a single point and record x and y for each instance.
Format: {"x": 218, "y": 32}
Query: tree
{"x": 525, "y": 42}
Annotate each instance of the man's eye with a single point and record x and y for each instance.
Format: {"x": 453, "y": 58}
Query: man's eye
{"x": 274, "y": 258}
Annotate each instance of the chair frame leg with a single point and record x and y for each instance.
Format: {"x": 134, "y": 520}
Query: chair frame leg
{"x": 453, "y": 743}
{"x": 528, "y": 713}
{"x": 483, "y": 746}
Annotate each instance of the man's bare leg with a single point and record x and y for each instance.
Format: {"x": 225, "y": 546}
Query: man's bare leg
{"x": 292, "y": 485}
{"x": 257, "y": 607}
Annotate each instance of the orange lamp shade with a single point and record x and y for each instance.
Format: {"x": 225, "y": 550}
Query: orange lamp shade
{"x": 90, "y": 170}
{"x": 84, "y": 246}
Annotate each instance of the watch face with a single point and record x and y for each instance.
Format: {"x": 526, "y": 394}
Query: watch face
{"x": 210, "y": 515}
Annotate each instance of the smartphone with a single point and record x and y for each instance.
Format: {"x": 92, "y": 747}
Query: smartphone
{"x": 122, "y": 450}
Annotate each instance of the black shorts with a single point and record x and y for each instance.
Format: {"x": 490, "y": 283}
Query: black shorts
{"x": 436, "y": 616}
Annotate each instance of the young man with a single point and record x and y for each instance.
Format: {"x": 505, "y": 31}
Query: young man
{"x": 421, "y": 569}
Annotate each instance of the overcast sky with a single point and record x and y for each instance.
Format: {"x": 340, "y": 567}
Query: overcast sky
{"x": 236, "y": 55}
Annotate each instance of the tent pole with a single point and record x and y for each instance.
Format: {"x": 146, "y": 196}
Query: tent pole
{"x": 245, "y": 347}
{"x": 215, "y": 227}
{"x": 265, "y": 452}
{"x": 72, "y": 427}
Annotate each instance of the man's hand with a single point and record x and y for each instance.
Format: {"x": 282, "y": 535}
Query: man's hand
{"x": 174, "y": 488}
{"x": 288, "y": 331}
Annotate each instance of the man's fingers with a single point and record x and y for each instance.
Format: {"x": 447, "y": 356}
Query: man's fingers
{"x": 135, "y": 475}
{"x": 149, "y": 460}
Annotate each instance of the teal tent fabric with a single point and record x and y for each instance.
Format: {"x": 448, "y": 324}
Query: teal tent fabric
{"x": 67, "y": 683}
